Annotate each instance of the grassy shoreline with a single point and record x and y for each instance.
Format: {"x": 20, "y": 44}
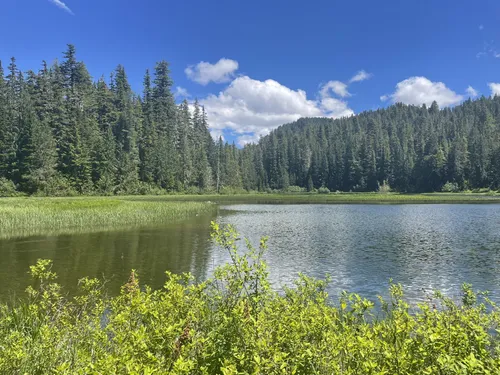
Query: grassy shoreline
{"x": 332, "y": 198}
{"x": 28, "y": 216}
{"x": 34, "y": 216}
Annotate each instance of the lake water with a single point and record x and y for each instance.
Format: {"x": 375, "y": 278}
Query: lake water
{"x": 424, "y": 247}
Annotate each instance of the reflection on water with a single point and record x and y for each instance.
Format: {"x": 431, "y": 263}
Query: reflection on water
{"x": 179, "y": 247}
{"x": 424, "y": 247}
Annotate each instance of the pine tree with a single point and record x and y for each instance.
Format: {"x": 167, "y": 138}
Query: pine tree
{"x": 165, "y": 117}
{"x": 148, "y": 140}
{"x": 186, "y": 146}
{"x": 125, "y": 132}
{"x": 105, "y": 164}
{"x": 74, "y": 152}
{"x": 38, "y": 149}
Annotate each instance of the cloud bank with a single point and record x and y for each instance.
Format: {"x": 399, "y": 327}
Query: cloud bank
{"x": 250, "y": 108}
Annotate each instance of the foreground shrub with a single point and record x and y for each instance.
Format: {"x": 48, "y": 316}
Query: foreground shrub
{"x": 236, "y": 324}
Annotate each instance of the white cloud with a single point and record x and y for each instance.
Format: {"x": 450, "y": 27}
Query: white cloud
{"x": 181, "y": 92}
{"x": 337, "y": 108}
{"x": 337, "y": 87}
{"x": 251, "y": 108}
{"x": 217, "y": 133}
{"x": 246, "y": 139}
{"x": 472, "y": 92}
{"x": 495, "y": 88}
{"x": 220, "y": 72}
{"x": 420, "y": 90}
{"x": 361, "y": 76}
{"x": 62, "y": 5}
{"x": 385, "y": 98}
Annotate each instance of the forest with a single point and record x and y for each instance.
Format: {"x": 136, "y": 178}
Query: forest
{"x": 63, "y": 133}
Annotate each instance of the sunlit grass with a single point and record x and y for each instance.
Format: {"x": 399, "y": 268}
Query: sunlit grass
{"x": 338, "y": 198}
{"x": 31, "y": 216}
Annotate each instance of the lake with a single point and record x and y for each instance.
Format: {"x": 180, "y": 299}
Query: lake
{"x": 424, "y": 247}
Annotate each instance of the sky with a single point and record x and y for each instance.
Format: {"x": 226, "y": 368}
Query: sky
{"x": 257, "y": 64}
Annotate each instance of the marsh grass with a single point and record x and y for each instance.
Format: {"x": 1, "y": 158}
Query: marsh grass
{"x": 33, "y": 216}
{"x": 25, "y": 216}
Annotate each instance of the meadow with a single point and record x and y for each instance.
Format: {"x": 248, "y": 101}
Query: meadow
{"x": 235, "y": 323}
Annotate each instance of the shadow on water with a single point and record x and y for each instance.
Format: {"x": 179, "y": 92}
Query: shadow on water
{"x": 178, "y": 247}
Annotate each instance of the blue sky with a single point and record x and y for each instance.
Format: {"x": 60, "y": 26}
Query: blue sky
{"x": 258, "y": 64}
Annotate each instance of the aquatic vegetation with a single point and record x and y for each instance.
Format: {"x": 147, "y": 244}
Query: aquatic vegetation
{"x": 235, "y": 323}
{"x": 30, "y": 216}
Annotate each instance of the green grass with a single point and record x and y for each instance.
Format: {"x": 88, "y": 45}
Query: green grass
{"x": 333, "y": 198}
{"x": 32, "y": 216}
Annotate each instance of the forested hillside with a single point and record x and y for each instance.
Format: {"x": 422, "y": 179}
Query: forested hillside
{"x": 63, "y": 133}
{"x": 410, "y": 148}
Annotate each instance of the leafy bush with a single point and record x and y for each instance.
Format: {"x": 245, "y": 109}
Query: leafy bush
{"x": 385, "y": 188}
{"x": 236, "y": 324}
{"x": 295, "y": 189}
{"x": 450, "y": 187}
{"x": 323, "y": 190}
{"x": 7, "y": 188}
{"x": 57, "y": 186}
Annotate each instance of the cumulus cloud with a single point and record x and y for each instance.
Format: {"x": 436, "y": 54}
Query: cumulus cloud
{"x": 336, "y": 108}
{"x": 339, "y": 88}
{"x": 251, "y": 108}
{"x": 360, "y": 76}
{"x": 420, "y": 90}
{"x": 204, "y": 72}
{"x": 472, "y": 92}
{"x": 181, "y": 92}
{"x": 62, "y": 5}
{"x": 495, "y": 88}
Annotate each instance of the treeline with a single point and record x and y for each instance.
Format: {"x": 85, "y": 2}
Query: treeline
{"x": 61, "y": 133}
{"x": 409, "y": 148}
